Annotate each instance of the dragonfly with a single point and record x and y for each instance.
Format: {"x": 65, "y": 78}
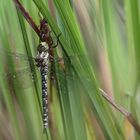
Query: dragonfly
{"x": 43, "y": 58}
{"x": 42, "y": 62}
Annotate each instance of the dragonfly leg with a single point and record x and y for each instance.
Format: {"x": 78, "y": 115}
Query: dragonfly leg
{"x": 51, "y": 58}
{"x": 40, "y": 15}
{"x": 51, "y": 41}
{"x": 57, "y": 41}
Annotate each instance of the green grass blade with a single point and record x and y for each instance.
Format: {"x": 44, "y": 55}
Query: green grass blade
{"x": 80, "y": 64}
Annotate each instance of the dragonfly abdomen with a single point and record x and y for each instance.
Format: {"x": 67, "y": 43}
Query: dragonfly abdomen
{"x": 44, "y": 72}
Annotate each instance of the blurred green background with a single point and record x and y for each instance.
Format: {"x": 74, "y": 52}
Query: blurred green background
{"x": 101, "y": 38}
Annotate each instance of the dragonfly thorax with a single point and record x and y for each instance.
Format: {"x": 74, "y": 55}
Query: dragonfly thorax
{"x": 42, "y": 47}
{"x": 42, "y": 57}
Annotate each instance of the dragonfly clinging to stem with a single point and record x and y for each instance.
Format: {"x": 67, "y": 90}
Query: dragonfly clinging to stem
{"x": 42, "y": 62}
{"x": 44, "y": 55}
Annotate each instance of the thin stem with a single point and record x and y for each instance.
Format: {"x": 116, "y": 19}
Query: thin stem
{"x": 27, "y": 17}
{"x": 127, "y": 114}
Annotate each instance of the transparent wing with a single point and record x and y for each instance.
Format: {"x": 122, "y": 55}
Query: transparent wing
{"x": 26, "y": 77}
{"x": 24, "y": 74}
{"x": 23, "y": 78}
{"x": 18, "y": 59}
{"x": 25, "y": 59}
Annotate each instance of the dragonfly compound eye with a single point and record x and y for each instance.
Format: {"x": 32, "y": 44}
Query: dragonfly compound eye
{"x": 38, "y": 59}
{"x": 42, "y": 47}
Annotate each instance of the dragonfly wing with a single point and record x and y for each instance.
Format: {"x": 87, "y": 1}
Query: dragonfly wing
{"x": 23, "y": 78}
{"x": 63, "y": 59}
{"x": 28, "y": 76}
{"x": 18, "y": 59}
{"x": 24, "y": 59}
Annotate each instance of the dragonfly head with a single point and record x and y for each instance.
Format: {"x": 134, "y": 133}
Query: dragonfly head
{"x": 43, "y": 47}
{"x": 43, "y": 55}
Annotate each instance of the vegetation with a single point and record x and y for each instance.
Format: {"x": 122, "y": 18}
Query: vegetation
{"x": 100, "y": 48}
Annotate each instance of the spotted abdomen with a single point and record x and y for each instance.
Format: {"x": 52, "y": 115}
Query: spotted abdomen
{"x": 44, "y": 72}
